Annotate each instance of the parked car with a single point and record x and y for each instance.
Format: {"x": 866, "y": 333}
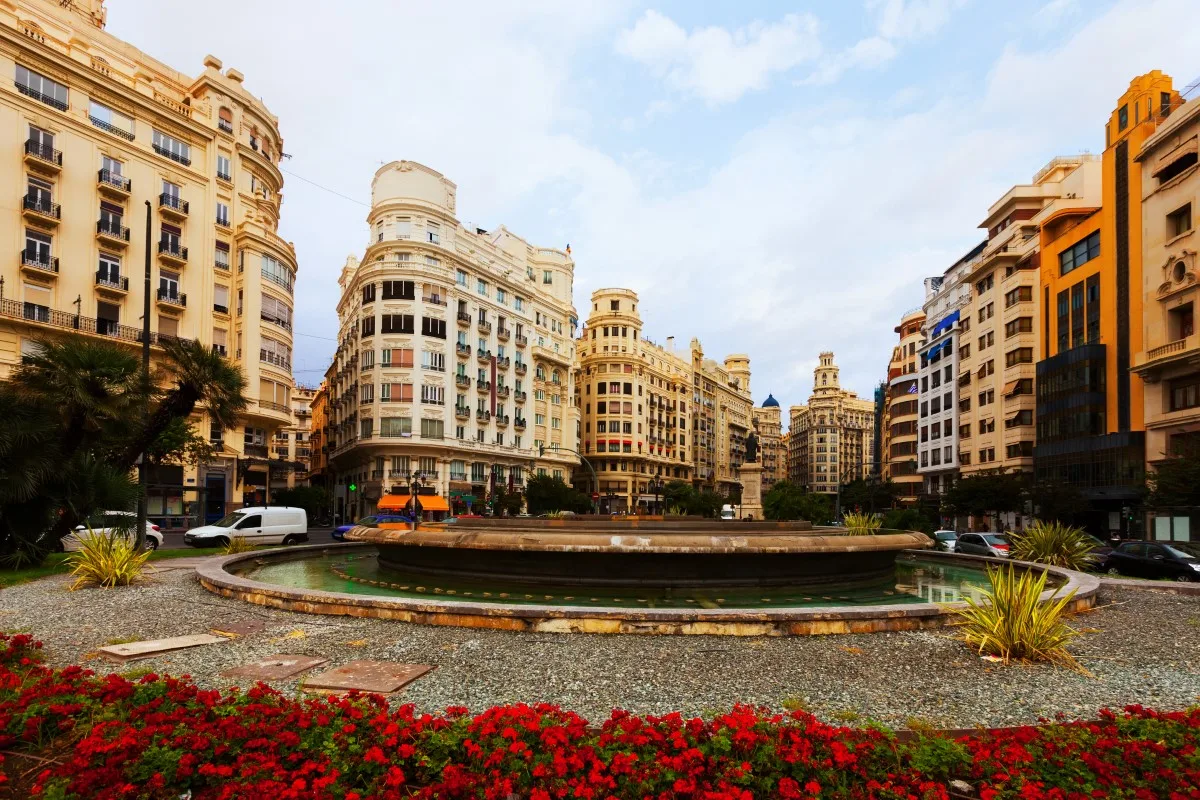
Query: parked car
{"x": 945, "y": 540}
{"x": 374, "y": 520}
{"x": 257, "y": 524}
{"x": 982, "y": 544}
{"x": 1178, "y": 561}
{"x": 109, "y": 523}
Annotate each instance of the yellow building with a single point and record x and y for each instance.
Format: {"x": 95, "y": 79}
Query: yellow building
{"x": 1170, "y": 354}
{"x": 292, "y": 446}
{"x": 468, "y": 396}
{"x": 1090, "y": 414}
{"x": 768, "y": 426}
{"x": 101, "y": 135}
{"x": 831, "y": 439}
{"x": 651, "y": 413}
{"x": 318, "y": 467}
{"x": 901, "y": 420}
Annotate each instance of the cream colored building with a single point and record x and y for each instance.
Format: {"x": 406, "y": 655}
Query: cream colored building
{"x": 455, "y": 354}
{"x": 1170, "y": 363}
{"x": 831, "y": 439}
{"x": 676, "y": 415}
{"x": 768, "y": 425}
{"x": 1001, "y": 327}
{"x": 293, "y": 445}
{"x": 97, "y": 132}
{"x": 901, "y": 418}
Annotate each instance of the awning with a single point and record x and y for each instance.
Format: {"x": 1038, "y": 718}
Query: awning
{"x": 933, "y": 351}
{"x": 1167, "y": 159}
{"x": 1009, "y": 388}
{"x": 945, "y": 323}
{"x": 399, "y": 502}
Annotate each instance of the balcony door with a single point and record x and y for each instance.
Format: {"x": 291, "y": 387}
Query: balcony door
{"x": 37, "y": 248}
{"x": 168, "y": 284}
{"x": 40, "y": 194}
{"x": 108, "y": 317}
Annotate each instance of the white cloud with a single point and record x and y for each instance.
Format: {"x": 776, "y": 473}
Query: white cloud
{"x": 868, "y": 53}
{"x": 911, "y": 19}
{"x": 714, "y": 63}
{"x": 1054, "y": 13}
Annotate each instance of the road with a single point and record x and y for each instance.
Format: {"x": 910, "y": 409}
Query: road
{"x": 174, "y": 541}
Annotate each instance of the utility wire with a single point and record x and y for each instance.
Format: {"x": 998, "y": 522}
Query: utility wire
{"x": 324, "y": 188}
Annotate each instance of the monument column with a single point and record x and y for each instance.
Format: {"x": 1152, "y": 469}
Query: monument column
{"x": 751, "y": 475}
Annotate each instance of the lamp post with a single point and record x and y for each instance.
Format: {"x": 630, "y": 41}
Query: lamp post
{"x": 415, "y": 483}
{"x": 656, "y": 486}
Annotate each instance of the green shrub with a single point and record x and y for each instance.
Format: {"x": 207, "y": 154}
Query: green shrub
{"x": 237, "y": 544}
{"x": 862, "y": 524}
{"x": 106, "y": 561}
{"x": 1013, "y": 625}
{"x": 1055, "y": 544}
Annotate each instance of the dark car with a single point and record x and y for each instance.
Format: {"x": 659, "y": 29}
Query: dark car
{"x": 339, "y": 532}
{"x": 982, "y": 544}
{"x": 1179, "y": 561}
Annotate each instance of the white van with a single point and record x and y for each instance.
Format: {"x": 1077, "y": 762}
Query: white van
{"x": 726, "y": 511}
{"x": 257, "y": 524}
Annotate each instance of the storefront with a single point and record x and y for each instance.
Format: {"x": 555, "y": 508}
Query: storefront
{"x": 433, "y": 507}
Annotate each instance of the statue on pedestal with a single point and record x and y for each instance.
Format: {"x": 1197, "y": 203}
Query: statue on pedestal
{"x": 751, "y": 448}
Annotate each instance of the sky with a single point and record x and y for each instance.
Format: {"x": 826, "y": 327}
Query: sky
{"x": 773, "y": 178}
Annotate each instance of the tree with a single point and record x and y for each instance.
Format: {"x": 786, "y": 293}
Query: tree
{"x": 503, "y": 502}
{"x": 870, "y": 495}
{"x": 706, "y": 503}
{"x": 1175, "y": 482}
{"x": 787, "y": 501}
{"x": 987, "y": 493}
{"x": 545, "y": 494}
{"x": 678, "y": 496}
{"x": 1058, "y": 502}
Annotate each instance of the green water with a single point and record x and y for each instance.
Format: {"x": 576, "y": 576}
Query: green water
{"x": 916, "y": 581}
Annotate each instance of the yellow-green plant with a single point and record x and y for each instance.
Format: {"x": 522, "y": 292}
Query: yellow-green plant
{"x": 237, "y": 544}
{"x": 1055, "y": 544}
{"x": 862, "y": 524}
{"x": 1012, "y": 624}
{"x": 106, "y": 561}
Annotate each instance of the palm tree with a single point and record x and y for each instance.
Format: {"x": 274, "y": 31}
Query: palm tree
{"x": 194, "y": 376}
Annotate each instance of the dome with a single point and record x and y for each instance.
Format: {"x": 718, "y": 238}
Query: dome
{"x": 770, "y": 402}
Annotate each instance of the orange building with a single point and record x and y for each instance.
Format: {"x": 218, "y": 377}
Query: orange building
{"x": 1091, "y": 433}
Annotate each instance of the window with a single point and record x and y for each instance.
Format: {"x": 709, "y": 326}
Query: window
{"x": 985, "y": 284}
{"x": 519, "y": 305}
{"x": 395, "y": 426}
{"x": 109, "y": 273}
{"x": 106, "y": 119}
{"x": 169, "y": 240}
{"x": 432, "y": 232}
{"x": 547, "y": 276}
{"x": 396, "y": 323}
{"x": 434, "y": 361}
{"x": 368, "y": 326}
{"x": 366, "y": 393}
{"x": 985, "y": 398}
{"x": 1079, "y": 253}
{"x": 1018, "y": 325}
{"x": 368, "y": 293}
{"x": 223, "y": 168}
{"x": 1179, "y": 221}
{"x": 964, "y": 351}
{"x": 403, "y": 228}
{"x": 274, "y": 352}
{"x": 220, "y": 297}
{"x": 432, "y": 429}
{"x": 433, "y": 394}
{"x": 1023, "y": 417}
{"x": 481, "y": 286}
{"x": 433, "y": 327}
{"x": 401, "y": 357}
{"x": 172, "y": 148}
{"x": 1184, "y": 393}
{"x": 277, "y": 273}
{"x": 396, "y": 392}
{"x": 1020, "y": 450}
{"x": 276, "y": 312}
{"x": 399, "y": 290}
{"x": 501, "y": 296}
{"x": 168, "y": 284}
{"x": 221, "y": 256}
{"x": 1122, "y": 118}
{"x": 460, "y": 277}
{"x": 1021, "y": 294}
{"x": 223, "y": 215}
{"x": 988, "y": 368}
{"x": 1022, "y": 355}
{"x": 41, "y": 88}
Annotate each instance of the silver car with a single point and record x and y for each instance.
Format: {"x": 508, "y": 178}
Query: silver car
{"x": 983, "y": 544}
{"x": 945, "y": 540}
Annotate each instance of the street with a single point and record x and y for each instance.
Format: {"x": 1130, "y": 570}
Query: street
{"x": 173, "y": 540}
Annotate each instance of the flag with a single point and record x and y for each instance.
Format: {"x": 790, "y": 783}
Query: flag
{"x": 568, "y": 248}
{"x": 912, "y": 389}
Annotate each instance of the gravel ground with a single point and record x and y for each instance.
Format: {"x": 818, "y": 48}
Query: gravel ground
{"x": 1141, "y": 647}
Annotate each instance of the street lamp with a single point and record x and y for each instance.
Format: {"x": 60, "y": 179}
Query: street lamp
{"x": 656, "y": 486}
{"x": 415, "y": 483}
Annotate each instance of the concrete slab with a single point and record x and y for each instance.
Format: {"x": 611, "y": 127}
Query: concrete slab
{"x": 173, "y": 564}
{"x": 378, "y": 677}
{"x": 134, "y": 651}
{"x": 239, "y": 628}
{"x": 275, "y": 668}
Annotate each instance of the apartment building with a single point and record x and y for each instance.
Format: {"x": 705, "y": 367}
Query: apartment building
{"x": 455, "y": 354}
{"x": 832, "y": 437}
{"x": 1090, "y": 402}
{"x": 1169, "y": 360}
{"x": 651, "y": 413}
{"x": 100, "y": 132}
{"x": 901, "y": 418}
{"x": 292, "y": 446}
{"x": 945, "y": 298}
{"x": 768, "y": 427}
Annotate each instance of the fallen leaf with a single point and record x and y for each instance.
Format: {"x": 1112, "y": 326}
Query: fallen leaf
{"x": 854, "y": 651}
{"x": 358, "y": 643}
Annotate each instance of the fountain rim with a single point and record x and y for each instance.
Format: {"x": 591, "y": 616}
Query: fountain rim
{"x": 217, "y": 577}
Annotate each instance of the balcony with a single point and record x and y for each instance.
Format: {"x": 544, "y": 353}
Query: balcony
{"x": 172, "y": 300}
{"x": 520, "y": 423}
{"x": 1181, "y": 352}
{"x": 483, "y": 356}
{"x": 171, "y": 206}
{"x": 176, "y": 157}
{"x": 434, "y": 300}
{"x": 482, "y": 414}
{"x": 520, "y": 397}
{"x": 113, "y": 185}
{"x": 225, "y": 126}
{"x": 464, "y": 319}
{"x": 255, "y": 450}
{"x": 485, "y": 327}
{"x": 503, "y": 362}
{"x": 41, "y": 157}
{"x": 521, "y": 340}
{"x": 463, "y": 350}
{"x": 33, "y": 264}
{"x": 503, "y": 334}
{"x": 551, "y": 355}
{"x": 40, "y": 211}
{"x": 220, "y": 350}
{"x": 107, "y": 283}
{"x": 462, "y": 412}
{"x": 112, "y": 233}
{"x": 463, "y": 381}
{"x": 503, "y": 391}
{"x": 502, "y": 419}
{"x": 483, "y": 386}
{"x": 173, "y": 253}
{"x": 522, "y": 368}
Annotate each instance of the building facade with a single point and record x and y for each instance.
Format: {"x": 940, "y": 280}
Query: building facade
{"x": 938, "y": 447}
{"x": 1090, "y": 403}
{"x": 832, "y": 437}
{"x": 293, "y": 445}
{"x": 454, "y": 357}
{"x": 901, "y": 419}
{"x": 768, "y": 426}
{"x": 100, "y": 132}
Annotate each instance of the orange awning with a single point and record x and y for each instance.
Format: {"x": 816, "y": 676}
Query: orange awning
{"x": 1009, "y": 387}
{"x": 398, "y": 502}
